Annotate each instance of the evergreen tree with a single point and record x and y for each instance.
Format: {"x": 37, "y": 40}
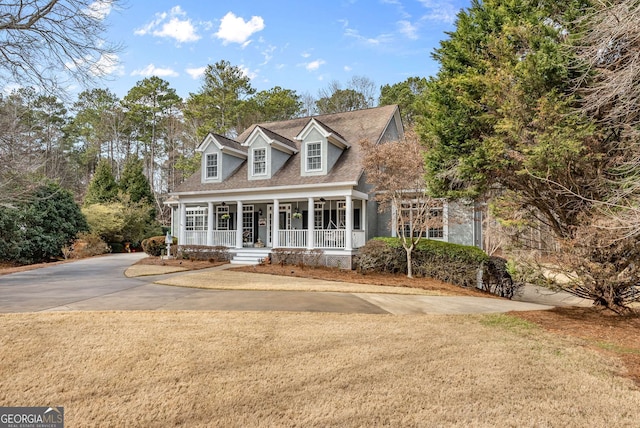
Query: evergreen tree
{"x": 50, "y": 220}
{"x": 217, "y": 106}
{"x": 134, "y": 183}
{"x": 102, "y": 187}
{"x": 500, "y": 111}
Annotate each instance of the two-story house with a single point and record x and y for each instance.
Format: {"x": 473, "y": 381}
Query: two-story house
{"x": 297, "y": 183}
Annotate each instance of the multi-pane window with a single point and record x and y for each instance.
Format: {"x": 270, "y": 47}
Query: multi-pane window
{"x": 222, "y": 217}
{"x": 212, "y": 165}
{"x": 422, "y": 220}
{"x": 318, "y": 215}
{"x": 259, "y": 161}
{"x": 436, "y": 224}
{"x": 196, "y": 218}
{"x": 342, "y": 214}
{"x": 314, "y": 156}
{"x": 247, "y": 223}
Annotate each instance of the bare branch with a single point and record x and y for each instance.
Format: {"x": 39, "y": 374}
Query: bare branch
{"x": 48, "y": 44}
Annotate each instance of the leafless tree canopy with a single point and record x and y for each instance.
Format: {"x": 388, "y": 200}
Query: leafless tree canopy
{"x": 396, "y": 171}
{"x": 610, "y": 46}
{"x": 48, "y": 43}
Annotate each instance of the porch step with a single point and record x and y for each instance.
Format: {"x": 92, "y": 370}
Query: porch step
{"x": 249, "y": 257}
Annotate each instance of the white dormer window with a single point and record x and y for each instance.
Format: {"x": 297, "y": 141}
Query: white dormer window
{"x": 314, "y": 156}
{"x": 212, "y": 165}
{"x": 259, "y": 161}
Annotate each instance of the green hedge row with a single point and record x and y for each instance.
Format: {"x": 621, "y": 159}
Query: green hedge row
{"x": 452, "y": 263}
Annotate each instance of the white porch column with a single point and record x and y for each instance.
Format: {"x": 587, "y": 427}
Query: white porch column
{"x": 311, "y": 211}
{"x": 182, "y": 223}
{"x": 210, "y": 224}
{"x": 348, "y": 239}
{"x": 363, "y": 218}
{"x": 239, "y": 225}
{"x": 275, "y": 224}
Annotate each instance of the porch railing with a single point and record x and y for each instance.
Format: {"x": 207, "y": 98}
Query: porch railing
{"x": 289, "y": 238}
{"x": 225, "y": 238}
{"x": 333, "y": 238}
{"x": 195, "y": 237}
{"x": 292, "y": 238}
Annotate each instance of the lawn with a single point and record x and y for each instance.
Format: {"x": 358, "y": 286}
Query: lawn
{"x": 308, "y": 369}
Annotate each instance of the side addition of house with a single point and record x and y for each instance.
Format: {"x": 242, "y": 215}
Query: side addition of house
{"x": 293, "y": 184}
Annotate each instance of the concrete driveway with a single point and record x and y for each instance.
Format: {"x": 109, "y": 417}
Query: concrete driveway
{"x": 99, "y": 284}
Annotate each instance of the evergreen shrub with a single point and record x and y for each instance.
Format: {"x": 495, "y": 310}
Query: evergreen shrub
{"x": 452, "y": 263}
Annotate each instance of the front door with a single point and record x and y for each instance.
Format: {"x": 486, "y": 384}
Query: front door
{"x": 284, "y": 221}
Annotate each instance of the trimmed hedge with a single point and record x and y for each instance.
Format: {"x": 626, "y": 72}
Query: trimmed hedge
{"x": 452, "y": 263}
{"x": 202, "y": 252}
{"x": 155, "y": 245}
{"x": 297, "y": 256}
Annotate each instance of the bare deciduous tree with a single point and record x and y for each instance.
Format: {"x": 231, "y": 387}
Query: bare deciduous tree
{"x": 396, "y": 171}
{"x": 47, "y": 43}
{"x": 610, "y": 46}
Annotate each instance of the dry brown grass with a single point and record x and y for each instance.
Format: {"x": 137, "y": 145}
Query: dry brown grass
{"x": 288, "y": 369}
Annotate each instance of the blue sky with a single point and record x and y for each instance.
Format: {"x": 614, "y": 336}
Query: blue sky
{"x": 293, "y": 44}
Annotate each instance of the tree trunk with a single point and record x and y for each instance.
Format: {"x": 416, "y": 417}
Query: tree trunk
{"x": 409, "y": 262}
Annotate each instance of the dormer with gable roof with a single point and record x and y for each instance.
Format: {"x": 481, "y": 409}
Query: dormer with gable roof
{"x": 221, "y": 157}
{"x": 320, "y": 148}
{"x": 267, "y": 153}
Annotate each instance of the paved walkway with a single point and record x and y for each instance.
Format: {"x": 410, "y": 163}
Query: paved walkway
{"x": 100, "y": 284}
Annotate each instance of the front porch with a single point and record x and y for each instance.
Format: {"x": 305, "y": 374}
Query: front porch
{"x": 312, "y": 223}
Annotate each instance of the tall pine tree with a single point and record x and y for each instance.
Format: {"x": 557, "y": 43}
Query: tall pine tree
{"x": 102, "y": 187}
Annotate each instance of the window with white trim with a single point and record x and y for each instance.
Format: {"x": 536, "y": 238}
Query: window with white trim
{"x": 342, "y": 214}
{"x": 212, "y": 165}
{"x": 259, "y": 161}
{"x": 436, "y": 223}
{"x": 314, "y": 156}
{"x": 247, "y": 223}
{"x": 196, "y": 218}
{"x": 413, "y": 212}
{"x": 318, "y": 216}
{"x": 222, "y": 217}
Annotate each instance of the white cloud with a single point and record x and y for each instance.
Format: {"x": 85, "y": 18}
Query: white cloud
{"x": 196, "y": 73}
{"x": 234, "y": 29}
{"x": 268, "y": 54}
{"x": 440, "y": 10}
{"x": 174, "y": 25}
{"x": 248, "y": 73}
{"x": 314, "y": 65}
{"x": 305, "y": 54}
{"x": 408, "y": 29}
{"x": 152, "y": 70}
{"x": 369, "y": 41}
{"x": 107, "y": 64}
{"x": 347, "y": 68}
{"x": 99, "y": 9}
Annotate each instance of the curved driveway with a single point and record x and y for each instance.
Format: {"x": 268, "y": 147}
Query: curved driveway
{"x": 98, "y": 284}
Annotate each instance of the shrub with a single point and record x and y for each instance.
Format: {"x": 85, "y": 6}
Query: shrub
{"x": 154, "y": 246}
{"x": 377, "y": 256}
{"x": 297, "y": 256}
{"x": 202, "y": 252}
{"x": 496, "y": 278}
{"x": 87, "y": 245}
{"x": 116, "y": 247}
{"x": 452, "y": 263}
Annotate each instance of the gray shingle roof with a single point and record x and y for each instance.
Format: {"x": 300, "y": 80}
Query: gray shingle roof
{"x": 280, "y": 138}
{"x": 353, "y": 126}
{"x": 229, "y": 143}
